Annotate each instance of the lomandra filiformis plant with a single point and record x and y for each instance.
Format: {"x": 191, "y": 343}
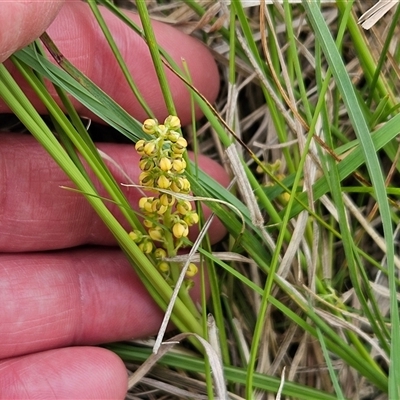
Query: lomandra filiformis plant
{"x": 167, "y": 215}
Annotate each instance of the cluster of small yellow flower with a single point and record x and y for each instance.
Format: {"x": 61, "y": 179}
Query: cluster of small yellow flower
{"x": 163, "y": 171}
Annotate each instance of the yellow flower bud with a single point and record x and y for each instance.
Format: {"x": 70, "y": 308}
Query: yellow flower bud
{"x": 163, "y": 182}
{"x": 136, "y": 236}
{"x": 146, "y": 247}
{"x": 146, "y": 164}
{"x": 183, "y": 207}
{"x": 180, "y": 146}
{"x": 180, "y": 229}
{"x": 139, "y": 146}
{"x": 147, "y": 223}
{"x": 191, "y": 218}
{"x": 191, "y": 271}
{"x": 146, "y": 179}
{"x": 149, "y": 148}
{"x": 142, "y": 202}
{"x": 173, "y": 136}
{"x": 180, "y": 185}
{"x": 160, "y": 253}
{"x": 165, "y": 164}
{"x": 156, "y": 234}
{"x": 284, "y": 198}
{"x": 162, "y": 131}
{"x": 149, "y": 126}
{"x": 172, "y": 122}
{"x": 175, "y": 186}
{"x": 146, "y": 203}
{"x": 181, "y": 142}
{"x": 163, "y": 267}
{"x": 179, "y": 165}
{"x": 158, "y": 208}
{"x": 167, "y": 200}
{"x": 185, "y": 185}
{"x": 177, "y": 149}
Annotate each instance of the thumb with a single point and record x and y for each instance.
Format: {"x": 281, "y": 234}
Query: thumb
{"x": 22, "y": 22}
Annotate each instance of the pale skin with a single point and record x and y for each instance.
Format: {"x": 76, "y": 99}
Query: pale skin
{"x": 60, "y": 292}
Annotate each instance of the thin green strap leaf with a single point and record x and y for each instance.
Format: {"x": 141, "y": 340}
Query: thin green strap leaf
{"x": 85, "y": 91}
{"x": 233, "y": 374}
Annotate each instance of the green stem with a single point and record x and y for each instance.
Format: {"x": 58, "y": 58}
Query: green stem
{"x": 118, "y": 57}
{"x": 155, "y": 55}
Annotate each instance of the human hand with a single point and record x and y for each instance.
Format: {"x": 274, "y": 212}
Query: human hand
{"x": 63, "y": 286}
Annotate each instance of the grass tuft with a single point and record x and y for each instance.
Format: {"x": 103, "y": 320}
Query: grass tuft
{"x": 305, "y": 287}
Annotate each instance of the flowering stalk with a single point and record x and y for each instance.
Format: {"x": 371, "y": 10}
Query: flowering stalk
{"x": 167, "y": 218}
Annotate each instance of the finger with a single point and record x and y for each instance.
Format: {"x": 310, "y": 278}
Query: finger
{"x": 80, "y": 40}
{"x": 21, "y": 22}
{"x": 77, "y": 297}
{"x": 71, "y": 373}
{"x": 36, "y": 214}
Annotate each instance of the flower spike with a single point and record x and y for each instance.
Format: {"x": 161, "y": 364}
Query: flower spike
{"x": 166, "y": 218}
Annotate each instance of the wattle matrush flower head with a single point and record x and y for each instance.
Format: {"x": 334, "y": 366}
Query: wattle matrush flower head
{"x": 162, "y": 166}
